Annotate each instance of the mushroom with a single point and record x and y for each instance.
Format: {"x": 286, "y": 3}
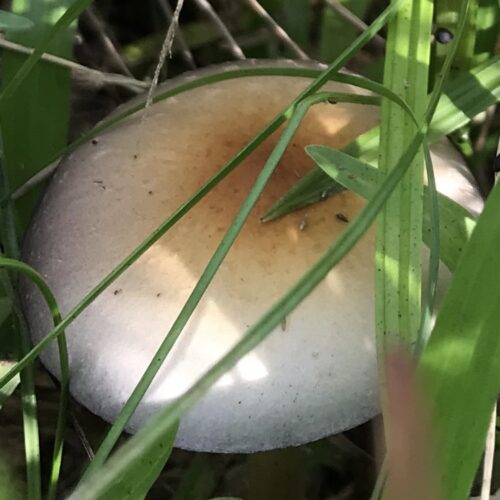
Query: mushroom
{"x": 314, "y": 376}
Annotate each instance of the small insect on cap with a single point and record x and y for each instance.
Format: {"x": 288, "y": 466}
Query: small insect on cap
{"x": 316, "y": 374}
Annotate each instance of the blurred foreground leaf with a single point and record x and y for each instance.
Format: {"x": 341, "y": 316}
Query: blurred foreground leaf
{"x": 130, "y": 480}
{"x": 13, "y": 22}
{"x": 460, "y": 368}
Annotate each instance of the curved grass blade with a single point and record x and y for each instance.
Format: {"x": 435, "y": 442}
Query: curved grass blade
{"x": 227, "y": 74}
{"x": 191, "y": 202}
{"x": 211, "y": 269}
{"x": 27, "y": 378}
{"x": 455, "y": 225}
{"x": 139, "y": 444}
{"x": 355, "y": 80}
{"x": 464, "y": 97}
{"x": 29, "y": 272}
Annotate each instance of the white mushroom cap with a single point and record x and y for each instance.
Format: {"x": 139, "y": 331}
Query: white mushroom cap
{"x": 314, "y": 376}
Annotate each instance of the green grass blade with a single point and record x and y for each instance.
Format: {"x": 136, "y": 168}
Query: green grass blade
{"x": 399, "y": 227}
{"x": 336, "y": 32}
{"x": 62, "y": 23}
{"x": 488, "y": 18}
{"x": 433, "y": 230}
{"x": 447, "y": 14}
{"x": 27, "y": 378}
{"x": 10, "y": 486}
{"x": 34, "y": 119}
{"x": 464, "y": 97}
{"x": 5, "y": 308}
{"x": 139, "y": 444}
{"x": 211, "y": 269}
{"x": 296, "y": 21}
{"x": 198, "y": 480}
{"x": 30, "y": 273}
{"x": 459, "y": 368}
{"x": 355, "y": 80}
{"x": 134, "y": 478}
{"x": 455, "y": 225}
{"x": 192, "y": 201}
{"x": 14, "y": 22}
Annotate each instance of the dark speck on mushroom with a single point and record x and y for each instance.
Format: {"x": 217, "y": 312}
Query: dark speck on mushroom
{"x": 341, "y": 217}
{"x": 117, "y": 291}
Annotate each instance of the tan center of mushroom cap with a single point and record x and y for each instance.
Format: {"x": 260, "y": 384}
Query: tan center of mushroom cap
{"x": 315, "y": 375}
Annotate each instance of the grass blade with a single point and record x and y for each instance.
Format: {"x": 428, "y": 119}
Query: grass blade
{"x": 459, "y": 368}
{"x": 27, "y": 378}
{"x": 465, "y": 97}
{"x": 62, "y": 23}
{"x": 399, "y": 227}
{"x": 34, "y": 119}
{"x": 137, "y": 476}
{"x": 336, "y": 34}
{"x": 14, "y": 22}
{"x": 455, "y": 225}
{"x": 30, "y": 273}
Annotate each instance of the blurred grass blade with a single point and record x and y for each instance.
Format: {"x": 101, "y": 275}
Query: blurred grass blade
{"x": 5, "y": 308}
{"x": 14, "y": 22}
{"x": 62, "y": 23}
{"x": 447, "y": 12}
{"x": 455, "y": 225}
{"x": 10, "y": 487}
{"x": 130, "y": 479}
{"x": 198, "y": 480}
{"x": 140, "y": 443}
{"x": 488, "y": 18}
{"x": 34, "y": 119}
{"x": 297, "y": 21}
{"x": 336, "y": 33}
{"x": 460, "y": 367}
{"x": 465, "y": 97}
